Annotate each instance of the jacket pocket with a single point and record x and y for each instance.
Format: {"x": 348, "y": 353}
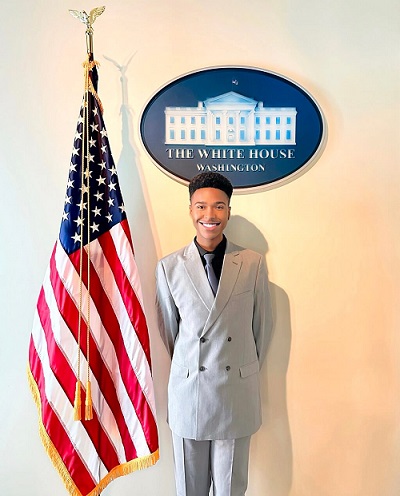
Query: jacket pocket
{"x": 179, "y": 370}
{"x": 242, "y": 292}
{"x": 249, "y": 369}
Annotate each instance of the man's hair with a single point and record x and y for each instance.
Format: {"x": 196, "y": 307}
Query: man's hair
{"x": 210, "y": 180}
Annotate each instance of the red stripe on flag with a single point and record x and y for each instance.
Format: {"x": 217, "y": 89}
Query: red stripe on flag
{"x": 70, "y": 315}
{"x": 125, "y": 226}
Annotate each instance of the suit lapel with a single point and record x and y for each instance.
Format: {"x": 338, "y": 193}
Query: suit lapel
{"x": 197, "y": 275}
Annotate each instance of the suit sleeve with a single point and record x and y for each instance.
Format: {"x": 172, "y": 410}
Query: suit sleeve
{"x": 167, "y": 312}
{"x": 262, "y": 316}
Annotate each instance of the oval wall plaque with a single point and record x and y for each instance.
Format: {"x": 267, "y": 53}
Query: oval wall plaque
{"x": 256, "y": 127}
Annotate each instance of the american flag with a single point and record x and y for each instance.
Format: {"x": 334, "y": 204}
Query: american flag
{"x": 92, "y": 283}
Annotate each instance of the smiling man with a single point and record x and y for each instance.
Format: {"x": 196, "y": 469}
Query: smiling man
{"x": 214, "y": 318}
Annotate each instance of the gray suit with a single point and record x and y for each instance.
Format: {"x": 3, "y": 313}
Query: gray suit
{"x": 217, "y": 344}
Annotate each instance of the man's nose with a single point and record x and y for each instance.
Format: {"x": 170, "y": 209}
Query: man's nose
{"x": 209, "y": 212}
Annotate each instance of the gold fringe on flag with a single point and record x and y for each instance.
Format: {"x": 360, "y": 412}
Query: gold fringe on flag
{"x": 125, "y": 469}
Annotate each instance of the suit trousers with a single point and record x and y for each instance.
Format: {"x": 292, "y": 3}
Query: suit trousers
{"x": 222, "y": 464}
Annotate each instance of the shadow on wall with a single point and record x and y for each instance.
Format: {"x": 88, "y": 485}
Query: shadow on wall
{"x": 145, "y": 244}
{"x": 271, "y": 458}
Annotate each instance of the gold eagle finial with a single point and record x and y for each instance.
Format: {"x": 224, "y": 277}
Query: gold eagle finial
{"x": 87, "y": 19}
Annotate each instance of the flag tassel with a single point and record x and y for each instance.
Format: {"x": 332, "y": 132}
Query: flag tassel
{"x": 88, "y": 402}
{"x": 77, "y": 401}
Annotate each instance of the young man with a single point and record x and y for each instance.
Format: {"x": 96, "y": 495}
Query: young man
{"x": 215, "y": 323}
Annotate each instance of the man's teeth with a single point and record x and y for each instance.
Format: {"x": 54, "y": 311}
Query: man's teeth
{"x": 209, "y": 225}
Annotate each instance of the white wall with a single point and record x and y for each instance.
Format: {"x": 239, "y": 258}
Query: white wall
{"x": 331, "y": 237}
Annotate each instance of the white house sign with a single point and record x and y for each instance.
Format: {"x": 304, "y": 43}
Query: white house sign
{"x": 256, "y": 127}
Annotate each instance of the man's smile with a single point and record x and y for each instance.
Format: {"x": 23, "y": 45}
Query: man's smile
{"x": 209, "y": 224}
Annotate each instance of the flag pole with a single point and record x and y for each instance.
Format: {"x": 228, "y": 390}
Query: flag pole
{"x": 88, "y": 20}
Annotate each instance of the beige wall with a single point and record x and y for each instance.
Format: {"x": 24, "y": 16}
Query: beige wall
{"x": 331, "y": 384}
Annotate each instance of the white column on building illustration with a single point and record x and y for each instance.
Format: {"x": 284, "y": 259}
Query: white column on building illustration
{"x": 250, "y": 127}
{"x": 224, "y": 127}
{"x": 210, "y": 126}
{"x": 236, "y": 125}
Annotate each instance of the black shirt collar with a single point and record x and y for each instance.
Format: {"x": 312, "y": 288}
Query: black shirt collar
{"x": 219, "y": 250}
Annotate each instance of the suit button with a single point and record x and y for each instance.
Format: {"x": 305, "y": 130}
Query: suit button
{"x": 203, "y": 340}
{"x": 202, "y": 368}
{"x": 227, "y": 368}
{"x": 229, "y": 339}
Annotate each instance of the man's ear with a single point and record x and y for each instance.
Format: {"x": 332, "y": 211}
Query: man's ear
{"x": 229, "y": 213}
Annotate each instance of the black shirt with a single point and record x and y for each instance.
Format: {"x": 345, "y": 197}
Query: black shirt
{"x": 218, "y": 259}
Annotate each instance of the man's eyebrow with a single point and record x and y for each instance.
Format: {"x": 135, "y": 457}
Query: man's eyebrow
{"x": 205, "y": 203}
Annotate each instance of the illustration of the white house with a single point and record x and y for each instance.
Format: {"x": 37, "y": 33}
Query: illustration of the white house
{"x": 230, "y": 119}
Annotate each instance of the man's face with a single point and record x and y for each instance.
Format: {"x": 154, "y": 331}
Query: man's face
{"x": 210, "y": 212}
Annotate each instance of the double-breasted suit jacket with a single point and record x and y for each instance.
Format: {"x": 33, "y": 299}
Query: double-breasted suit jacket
{"x": 217, "y": 344}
